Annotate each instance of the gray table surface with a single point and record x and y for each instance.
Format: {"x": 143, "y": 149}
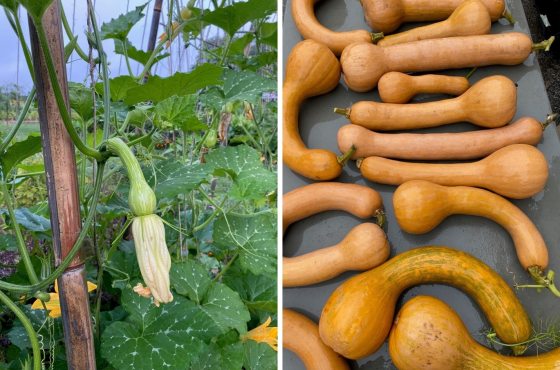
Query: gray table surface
{"x": 480, "y": 237}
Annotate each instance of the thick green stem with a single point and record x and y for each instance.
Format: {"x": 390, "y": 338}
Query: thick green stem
{"x": 226, "y": 267}
{"x": 342, "y": 111}
{"x": 118, "y": 147}
{"x": 68, "y": 31}
{"x": 376, "y": 36}
{"x": 24, "y": 47}
{"x": 103, "y": 59}
{"x": 544, "y": 45}
{"x": 73, "y": 252}
{"x": 20, "y": 120}
{"x": 543, "y": 281}
{"x": 65, "y": 115}
{"x": 24, "y": 253}
{"x": 552, "y": 117}
{"x": 346, "y": 156}
{"x": 35, "y": 348}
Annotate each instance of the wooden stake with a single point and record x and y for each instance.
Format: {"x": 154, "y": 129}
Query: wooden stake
{"x": 62, "y": 187}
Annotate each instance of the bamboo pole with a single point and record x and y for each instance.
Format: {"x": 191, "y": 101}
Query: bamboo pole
{"x": 62, "y": 187}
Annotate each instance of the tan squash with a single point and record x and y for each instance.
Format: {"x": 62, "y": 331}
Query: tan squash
{"x": 311, "y": 70}
{"x": 420, "y": 206}
{"x": 429, "y": 335}
{"x": 517, "y": 171}
{"x": 439, "y": 146}
{"x": 301, "y": 336}
{"x": 470, "y": 18}
{"x": 363, "y": 64}
{"x": 303, "y": 13}
{"x": 358, "y": 315}
{"x": 491, "y": 102}
{"x": 363, "y": 248}
{"x": 400, "y": 88}
{"x": 305, "y": 201}
{"x": 387, "y": 15}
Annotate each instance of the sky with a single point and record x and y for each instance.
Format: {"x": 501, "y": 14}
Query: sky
{"x": 12, "y": 72}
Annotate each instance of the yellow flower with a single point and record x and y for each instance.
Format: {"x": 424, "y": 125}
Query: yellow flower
{"x": 53, "y": 306}
{"x": 264, "y": 334}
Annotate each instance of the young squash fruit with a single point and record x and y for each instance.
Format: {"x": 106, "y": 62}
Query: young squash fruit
{"x": 358, "y": 315}
{"x": 490, "y": 103}
{"x": 363, "y": 248}
{"x": 429, "y": 335}
{"x": 301, "y": 336}
{"x": 147, "y": 228}
{"x": 517, "y": 171}
{"x": 358, "y": 200}
{"x": 311, "y": 70}
{"x": 363, "y": 64}
{"x": 399, "y": 88}
{"x": 421, "y": 205}
{"x": 439, "y": 146}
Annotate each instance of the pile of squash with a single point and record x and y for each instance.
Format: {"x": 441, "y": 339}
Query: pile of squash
{"x": 481, "y": 169}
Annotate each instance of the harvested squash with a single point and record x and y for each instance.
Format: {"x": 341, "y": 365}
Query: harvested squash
{"x": 363, "y": 64}
{"x": 358, "y": 315}
{"x": 429, "y": 335}
{"x": 311, "y": 70}
{"x": 364, "y": 248}
{"x": 301, "y": 336}
{"x": 491, "y": 102}
{"x": 439, "y": 146}
{"x": 421, "y": 205}
{"x": 471, "y": 17}
{"x": 517, "y": 171}
{"x": 399, "y": 88}
{"x": 359, "y": 200}
{"x": 387, "y": 15}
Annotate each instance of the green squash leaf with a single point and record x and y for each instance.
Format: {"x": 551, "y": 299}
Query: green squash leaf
{"x": 118, "y": 28}
{"x": 140, "y": 56}
{"x": 81, "y": 100}
{"x": 231, "y": 18}
{"x": 19, "y": 151}
{"x": 258, "y": 356}
{"x": 254, "y": 236}
{"x": 242, "y": 163}
{"x": 118, "y": 87}
{"x": 175, "y": 178}
{"x": 178, "y": 112}
{"x": 246, "y": 85}
{"x": 158, "y": 89}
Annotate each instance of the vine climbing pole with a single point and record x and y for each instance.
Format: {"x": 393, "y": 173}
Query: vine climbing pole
{"x": 62, "y": 186}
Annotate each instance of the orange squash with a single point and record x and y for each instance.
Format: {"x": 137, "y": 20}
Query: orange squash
{"x": 517, "y": 171}
{"x": 311, "y": 70}
{"x": 399, "y": 88}
{"x": 429, "y": 335}
{"x": 364, "y": 247}
{"x": 358, "y": 315}
{"x": 491, "y": 102}
{"x": 301, "y": 336}
{"x": 439, "y": 146}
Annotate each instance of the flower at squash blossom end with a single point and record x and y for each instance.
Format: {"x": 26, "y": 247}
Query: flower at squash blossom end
{"x": 153, "y": 257}
{"x": 263, "y": 334}
{"x": 53, "y": 306}
{"x": 163, "y": 36}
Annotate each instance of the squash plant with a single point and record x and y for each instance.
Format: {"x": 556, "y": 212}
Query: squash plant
{"x": 197, "y": 151}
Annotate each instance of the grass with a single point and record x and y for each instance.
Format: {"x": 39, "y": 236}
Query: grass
{"x": 25, "y": 129}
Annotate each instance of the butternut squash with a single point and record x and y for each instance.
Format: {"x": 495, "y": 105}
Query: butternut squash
{"x": 400, "y": 88}
{"x": 359, "y": 200}
{"x": 358, "y": 315}
{"x": 364, "y": 63}
{"x": 301, "y": 336}
{"x": 364, "y": 248}
{"x": 429, "y": 335}
{"x": 517, "y": 171}
{"x": 387, "y": 15}
{"x": 470, "y": 18}
{"x": 307, "y": 24}
{"x": 421, "y": 205}
{"x": 311, "y": 70}
{"x": 491, "y": 102}
{"x": 439, "y": 146}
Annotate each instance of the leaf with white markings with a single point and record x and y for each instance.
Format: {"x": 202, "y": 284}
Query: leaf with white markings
{"x": 246, "y": 85}
{"x": 190, "y": 279}
{"x": 175, "y": 178}
{"x": 243, "y": 164}
{"x": 258, "y": 356}
{"x": 254, "y": 236}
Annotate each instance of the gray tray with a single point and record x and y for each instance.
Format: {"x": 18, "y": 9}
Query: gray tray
{"x": 480, "y": 237}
